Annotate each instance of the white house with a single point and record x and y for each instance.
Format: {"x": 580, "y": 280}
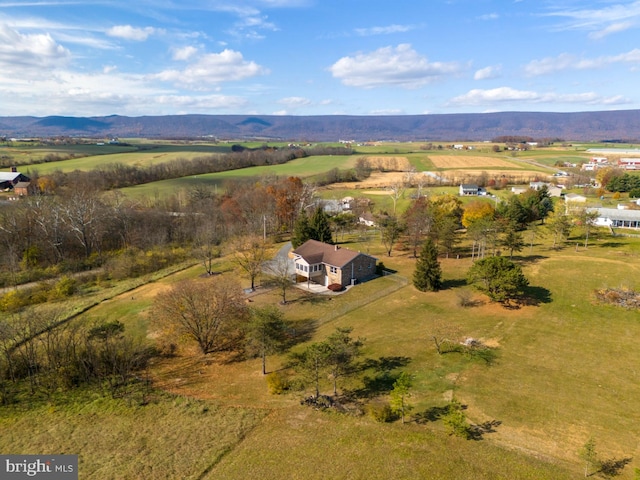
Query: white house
{"x": 619, "y": 218}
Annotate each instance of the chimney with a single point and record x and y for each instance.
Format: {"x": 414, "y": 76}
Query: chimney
{"x": 14, "y": 170}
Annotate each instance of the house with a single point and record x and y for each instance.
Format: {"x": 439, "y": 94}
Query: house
{"x": 367, "y": 219}
{"x": 22, "y": 189}
{"x": 619, "y": 218}
{"x": 629, "y": 163}
{"x": 575, "y": 198}
{"x": 326, "y": 264}
{"x": 9, "y": 179}
{"x": 470, "y": 189}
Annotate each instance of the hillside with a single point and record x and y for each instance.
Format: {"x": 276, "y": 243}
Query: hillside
{"x": 579, "y": 126}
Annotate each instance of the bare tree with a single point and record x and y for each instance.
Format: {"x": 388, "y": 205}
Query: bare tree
{"x": 279, "y": 271}
{"x": 250, "y": 252}
{"x": 211, "y": 312}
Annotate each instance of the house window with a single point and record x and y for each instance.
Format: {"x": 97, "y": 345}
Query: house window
{"x": 333, "y": 269}
{"x": 306, "y": 269}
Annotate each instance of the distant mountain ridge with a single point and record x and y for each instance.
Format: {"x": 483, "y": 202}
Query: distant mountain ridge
{"x": 579, "y": 126}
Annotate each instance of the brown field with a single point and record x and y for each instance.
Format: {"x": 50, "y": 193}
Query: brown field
{"x": 390, "y": 163}
{"x": 376, "y": 180}
{"x": 464, "y": 161}
{"x": 514, "y": 176}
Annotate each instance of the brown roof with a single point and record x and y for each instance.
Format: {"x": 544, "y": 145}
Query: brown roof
{"x": 313, "y": 251}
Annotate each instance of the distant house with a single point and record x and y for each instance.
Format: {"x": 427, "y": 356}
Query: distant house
{"x": 9, "y": 179}
{"x": 367, "y": 219}
{"x": 22, "y": 189}
{"x": 326, "y": 264}
{"x": 470, "y": 189}
{"x": 615, "y": 217}
{"x": 629, "y": 163}
{"x": 575, "y": 198}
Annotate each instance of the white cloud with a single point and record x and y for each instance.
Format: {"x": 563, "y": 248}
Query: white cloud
{"x": 478, "y": 97}
{"x": 601, "y": 22}
{"x": 610, "y": 29}
{"x": 128, "y": 32}
{"x": 566, "y": 61}
{"x": 184, "y": 53}
{"x": 20, "y": 53}
{"x": 295, "y": 102}
{"x": 487, "y": 73}
{"x": 489, "y": 16}
{"x": 400, "y": 66}
{"x": 212, "y": 69}
{"x": 366, "y": 32}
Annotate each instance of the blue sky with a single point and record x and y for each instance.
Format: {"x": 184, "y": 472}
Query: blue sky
{"x": 317, "y": 57}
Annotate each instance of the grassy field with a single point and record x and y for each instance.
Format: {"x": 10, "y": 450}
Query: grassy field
{"x": 302, "y": 167}
{"x": 564, "y": 372}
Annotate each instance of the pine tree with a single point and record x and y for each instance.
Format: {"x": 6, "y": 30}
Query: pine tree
{"x": 428, "y": 274}
{"x": 319, "y": 226}
{"x": 301, "y": 231}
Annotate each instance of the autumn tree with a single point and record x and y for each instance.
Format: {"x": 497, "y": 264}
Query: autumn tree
{"x": 390, "y": 230}
{"x": 428, "y": 274}
{"x": 212, "y": 312}
{"x": 418, "y": 221}
{"x": 586, "y": 219}
{"x": 476, "y": 211}
{"x": 559, "y": 224}
{"x": 266, "y": 333}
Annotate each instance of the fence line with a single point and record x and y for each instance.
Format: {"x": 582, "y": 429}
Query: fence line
{"x": 400, "y": 282}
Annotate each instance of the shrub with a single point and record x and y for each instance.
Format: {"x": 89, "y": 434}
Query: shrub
{"x": 277, "y": 383}
{"x": 335, "y": 287}
{"x": 381, "y": 412}
{"x": 65, "y": 287}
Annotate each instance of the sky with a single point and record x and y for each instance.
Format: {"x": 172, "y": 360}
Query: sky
{"x": 317, "y": 57}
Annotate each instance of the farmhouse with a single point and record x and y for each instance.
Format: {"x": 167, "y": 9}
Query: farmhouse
{"x": 629, "y": 163}
{"x": 470, "y": 189}
{"x": 9, "y": 179}
{"x": 326, "y": 264}
{"x": 615, "y": 217}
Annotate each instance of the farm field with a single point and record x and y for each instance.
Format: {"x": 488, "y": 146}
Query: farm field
{"x": 561, "y": 375}
{"x": 564, "y": 367}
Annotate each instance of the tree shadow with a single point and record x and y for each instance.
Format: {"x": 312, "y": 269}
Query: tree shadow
{"x": 453, "y": 283}
{"x": 613, "y": 467}
{"x": 529, "y": 259}
{"x": 612, "y": 244}
{"x": 301, "y": 331}
{"x": 534, "y": 296}
{"x": 478, "y": 431}
{"x": 382, "y": 379}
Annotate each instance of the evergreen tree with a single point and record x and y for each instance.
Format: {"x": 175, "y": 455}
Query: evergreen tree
{"x": 319, "y": 226}
{"x": 301, "y": 231}
{"x": 428, "y": 274}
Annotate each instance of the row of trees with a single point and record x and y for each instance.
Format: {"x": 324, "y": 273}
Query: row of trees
{"x": 40, "y": 352}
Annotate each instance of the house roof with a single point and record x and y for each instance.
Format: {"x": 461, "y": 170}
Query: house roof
{"x": 617, "y": 214}
{"x": 22, "y": 185}
{"x": 469, "y": 186}
{"x": 8, "y": 176}
{"x": 313, "y": 252}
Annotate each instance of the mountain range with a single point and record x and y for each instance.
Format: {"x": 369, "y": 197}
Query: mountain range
{"x": 620, "y": 125}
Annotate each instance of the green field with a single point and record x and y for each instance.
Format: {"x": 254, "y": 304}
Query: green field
{"x": 564, "y": 372}
{"x": 301, "y": 167}
{"x": 565, "y": 369}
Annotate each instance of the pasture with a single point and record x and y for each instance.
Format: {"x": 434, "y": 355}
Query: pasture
{"x": 562, "y": 374}
{"x": 564, "y": 368}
